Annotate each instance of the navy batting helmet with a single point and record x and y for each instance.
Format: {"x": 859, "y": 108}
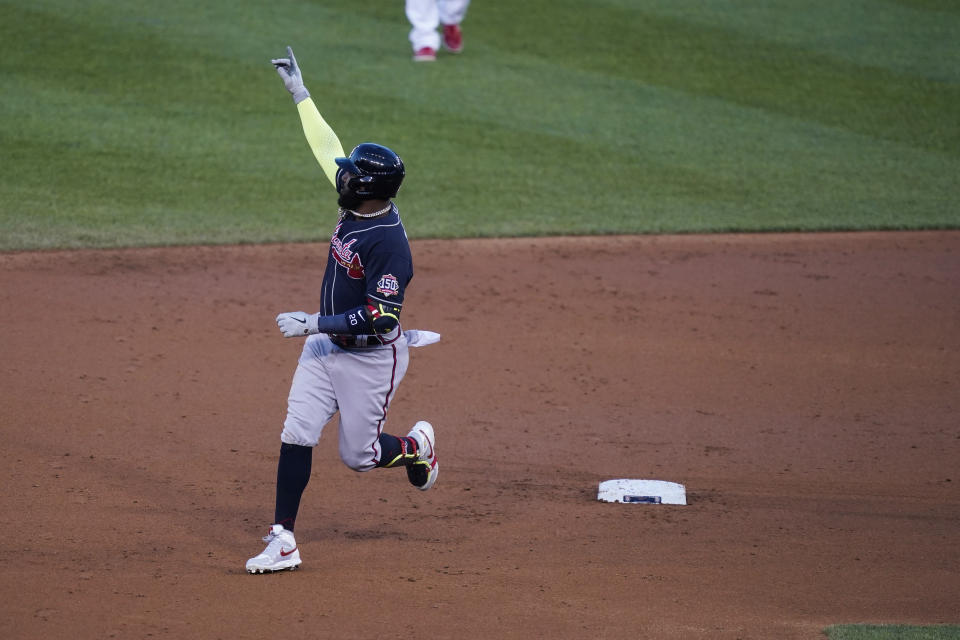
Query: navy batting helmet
{"x": 377, "y": 172}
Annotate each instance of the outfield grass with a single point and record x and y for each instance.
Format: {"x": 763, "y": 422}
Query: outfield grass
{"x": 892, "y": 632}
{"x": 144, "y": 123}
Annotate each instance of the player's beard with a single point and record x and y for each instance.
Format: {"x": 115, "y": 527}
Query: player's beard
{"x": 349, "y": 200}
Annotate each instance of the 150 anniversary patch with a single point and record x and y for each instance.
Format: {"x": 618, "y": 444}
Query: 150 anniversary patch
{"x": 388, "y": 285}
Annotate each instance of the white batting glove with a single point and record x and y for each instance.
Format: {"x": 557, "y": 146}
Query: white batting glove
{"x": 292, "y": 79}
{"x": 296, "y": 324}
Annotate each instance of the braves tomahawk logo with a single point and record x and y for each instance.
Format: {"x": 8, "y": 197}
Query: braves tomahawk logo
{"x": 345, "y": 256}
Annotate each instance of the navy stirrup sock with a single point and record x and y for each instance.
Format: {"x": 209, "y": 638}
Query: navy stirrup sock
{"x": 396, "y": 451}
{"x": 293, "y": 473}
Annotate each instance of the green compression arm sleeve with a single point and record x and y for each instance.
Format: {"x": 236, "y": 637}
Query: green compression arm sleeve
{"x": 321, "y": 138}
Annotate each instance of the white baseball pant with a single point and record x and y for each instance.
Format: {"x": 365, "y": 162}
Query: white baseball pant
{"x": 359, "y": 383}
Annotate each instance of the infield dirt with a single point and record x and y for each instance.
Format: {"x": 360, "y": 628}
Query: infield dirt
{"x": 804, "y": 388}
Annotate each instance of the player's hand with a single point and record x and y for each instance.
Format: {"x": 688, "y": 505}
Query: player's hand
{"x": 296, "y": 324}
{"x": 292, "y": 79}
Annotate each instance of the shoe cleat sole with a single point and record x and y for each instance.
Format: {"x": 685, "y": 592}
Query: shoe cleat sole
{"x": 257, "y": 570}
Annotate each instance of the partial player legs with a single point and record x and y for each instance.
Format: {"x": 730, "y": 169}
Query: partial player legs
{"x": 416, "y": 452}
{"x": 424, "y": 19}
{"x": 452, "y": 11}
{"x": 361, "y": 385}
{"x": 426, "y": 16}
{"x": 293, "y": 473}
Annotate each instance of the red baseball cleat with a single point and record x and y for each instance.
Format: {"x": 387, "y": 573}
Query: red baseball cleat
{"x": 425, "y": 54}
{"x": 452, "y": 38}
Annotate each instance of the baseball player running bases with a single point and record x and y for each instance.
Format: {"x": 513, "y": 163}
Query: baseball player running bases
{"x": 355, "y": 353}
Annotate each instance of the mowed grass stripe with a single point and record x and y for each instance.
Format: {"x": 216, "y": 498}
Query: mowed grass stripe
{"x": 752, "y": 70}
{"x": 147, "y": 125}
{"x": 665, "y": 150}
{"x": 903, "y": 37}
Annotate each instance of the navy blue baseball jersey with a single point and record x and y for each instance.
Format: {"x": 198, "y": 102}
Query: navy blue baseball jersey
{"x": 369, "y": 266}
